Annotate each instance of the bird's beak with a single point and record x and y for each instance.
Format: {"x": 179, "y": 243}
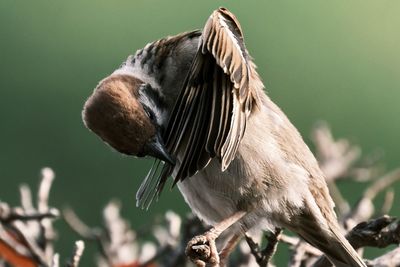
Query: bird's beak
{"x": 156, "y": 148}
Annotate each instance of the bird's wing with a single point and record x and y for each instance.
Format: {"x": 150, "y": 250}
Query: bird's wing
{"x": 218, "y": 95}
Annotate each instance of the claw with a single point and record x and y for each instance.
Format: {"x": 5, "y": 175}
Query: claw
{"x": 202, "y": 250}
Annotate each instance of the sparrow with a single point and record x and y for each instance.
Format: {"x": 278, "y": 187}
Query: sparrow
{"x": 196, "y": 103}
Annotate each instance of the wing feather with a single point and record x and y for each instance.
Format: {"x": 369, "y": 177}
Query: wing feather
{"x": 225, "y": 120}
{"x": 215, "y": 116}
{"x": 218, "y": 95}
{"x": 222, "y": 50}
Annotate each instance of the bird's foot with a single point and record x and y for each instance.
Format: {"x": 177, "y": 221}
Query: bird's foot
{"x": 202, "y": 250}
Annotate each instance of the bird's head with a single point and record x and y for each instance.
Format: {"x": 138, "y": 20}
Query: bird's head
{"x": 126, "y": 119}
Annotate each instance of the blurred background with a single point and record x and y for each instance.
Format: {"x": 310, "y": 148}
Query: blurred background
{"x": 337, "y": 61}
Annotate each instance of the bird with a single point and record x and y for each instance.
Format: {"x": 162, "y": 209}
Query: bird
{"x": 195, "y": 102}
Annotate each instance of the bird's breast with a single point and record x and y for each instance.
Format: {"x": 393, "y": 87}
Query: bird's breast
{"x": 212, "y": 194}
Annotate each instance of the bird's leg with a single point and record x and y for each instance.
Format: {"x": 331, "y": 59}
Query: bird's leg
{"x": 228, "y": 248}
{"x": 202, "y": 249}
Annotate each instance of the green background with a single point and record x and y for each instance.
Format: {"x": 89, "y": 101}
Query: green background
{"x": 333, "y": 60}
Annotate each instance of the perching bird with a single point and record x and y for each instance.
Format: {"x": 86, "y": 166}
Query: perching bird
{"x": 196, "y": 102}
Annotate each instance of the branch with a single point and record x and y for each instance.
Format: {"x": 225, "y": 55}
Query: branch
{"x": 26, "y": 232}
{"x": 365, "y": 207}
{"x": 264, "y": 256}
{"x": 336, "y": 158}
{"x": 379, "y": 233}
{"x": 298, "y": 255}
{"x": 77, "y": 254}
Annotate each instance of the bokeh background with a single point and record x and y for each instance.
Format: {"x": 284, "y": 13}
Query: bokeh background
{"x": 333, "y": 60}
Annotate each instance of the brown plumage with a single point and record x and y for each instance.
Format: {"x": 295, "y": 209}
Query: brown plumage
{"x": 114, "y": 113}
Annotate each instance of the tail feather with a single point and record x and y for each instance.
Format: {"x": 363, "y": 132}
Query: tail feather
{"x": 348, "y": 253}
{"x": 327, "y": 237}
{"x": 333, "y": 244}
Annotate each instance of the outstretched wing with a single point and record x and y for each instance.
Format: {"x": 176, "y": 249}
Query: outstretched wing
{"x": 218, "y": 95}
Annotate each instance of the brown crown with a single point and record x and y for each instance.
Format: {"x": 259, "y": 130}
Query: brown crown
{"x": 114, "y": 113}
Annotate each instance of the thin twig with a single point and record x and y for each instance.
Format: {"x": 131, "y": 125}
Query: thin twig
{"x": 55, "y": 261}
{"x": 299, "y": 253}
{"x": 13, "y": 216}
{"x": 44, "y": 189}
{"x": 387, "y": 203}
{"x": 264, "y": 256}
{"x": 77, "y": 225}
{"x": 293, "y": 241}
{"x": 365, "y": 206}
{"x": 77, "y": 254}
